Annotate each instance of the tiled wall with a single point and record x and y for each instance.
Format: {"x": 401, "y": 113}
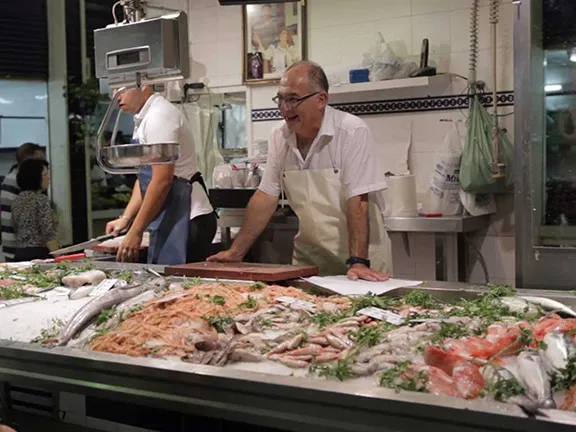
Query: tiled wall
{"x": 339, "y": 32}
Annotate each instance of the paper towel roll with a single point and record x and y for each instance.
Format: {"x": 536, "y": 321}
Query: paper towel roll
{"x": 402, "y": 196}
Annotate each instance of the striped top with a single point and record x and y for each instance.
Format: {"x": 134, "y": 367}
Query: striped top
{"x": 8, "y": 192}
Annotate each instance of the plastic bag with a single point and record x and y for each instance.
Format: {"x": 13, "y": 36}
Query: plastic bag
{"x": 478, "y": 204}
{"x": 443, "y": 192}
{"x": 381, "y": 61}
{"x": 476, "y": 171}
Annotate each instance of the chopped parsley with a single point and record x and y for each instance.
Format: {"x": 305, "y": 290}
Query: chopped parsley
{"x": 324, "y": 319}
{"x": 400, "y": 377}
{"x": 258, "y": 286}
{"x": 189, "y": 283}
{"x": 565, "y": 378}
{"x": 504, "y": 389}
{"x": 366, "y": 336}
{"x": 420, "y": 298}
{"x": 219, "y": 300}
{"x": 341, "y": 370}
{"x": 251, "y": 303}
{"x": 219, "y": 322}
{"x": 104, "y": 316}
{"x": 49, "y": 333}
{"x": 450, "y": 331}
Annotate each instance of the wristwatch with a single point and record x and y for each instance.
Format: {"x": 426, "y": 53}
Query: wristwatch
{"x": 357, "y": 260}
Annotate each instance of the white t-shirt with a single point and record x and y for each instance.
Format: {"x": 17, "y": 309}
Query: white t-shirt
{"x": 344, "y": 142}
{"x": 159, "y": 121}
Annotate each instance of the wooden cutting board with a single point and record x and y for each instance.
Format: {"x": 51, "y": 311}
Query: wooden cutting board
{"x": 242, "y": 271}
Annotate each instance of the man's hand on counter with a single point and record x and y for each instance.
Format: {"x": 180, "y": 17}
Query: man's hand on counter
{"x": 129, "y": 250}
{"x": 226, "y": 256}
{"x": 360, "y": 271}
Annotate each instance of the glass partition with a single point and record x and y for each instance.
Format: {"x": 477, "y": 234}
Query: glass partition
{"x": 545, "y": 126}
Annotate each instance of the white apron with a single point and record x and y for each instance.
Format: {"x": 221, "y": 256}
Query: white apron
{"x": 318, "y": 199}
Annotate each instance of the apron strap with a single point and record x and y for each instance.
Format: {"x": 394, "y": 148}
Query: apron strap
{"x": 197, "y": 178}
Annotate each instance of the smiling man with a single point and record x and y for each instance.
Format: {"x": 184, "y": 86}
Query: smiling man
{"x": 326, "y": 163}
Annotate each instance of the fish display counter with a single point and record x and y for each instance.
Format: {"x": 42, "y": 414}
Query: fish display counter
{"x": 291, "y": 357}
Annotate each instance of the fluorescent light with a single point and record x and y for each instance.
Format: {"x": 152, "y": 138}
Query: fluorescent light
{"x": 573, "y": 57}
{"x": 552, "y": 87}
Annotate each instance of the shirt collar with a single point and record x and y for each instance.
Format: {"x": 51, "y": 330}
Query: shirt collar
{"x": 326, "y": 129}
{"x": 140, "y": 116}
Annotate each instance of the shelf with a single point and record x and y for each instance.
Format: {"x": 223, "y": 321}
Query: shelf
{"x": 444, "y": 224}
{"x": 389, "y": 84}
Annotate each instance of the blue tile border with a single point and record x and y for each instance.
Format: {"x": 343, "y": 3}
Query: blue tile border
{"x": 395, "y": 106}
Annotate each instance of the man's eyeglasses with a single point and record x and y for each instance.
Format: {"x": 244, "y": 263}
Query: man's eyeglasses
{"x": 291, "y": 102}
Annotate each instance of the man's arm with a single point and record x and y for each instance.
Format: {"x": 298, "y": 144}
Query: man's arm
{"x": 150, "y": 206}
{"x": 135, "y": 202}
{"x": 358, "y": 226}
{"x": 258, "y": 213}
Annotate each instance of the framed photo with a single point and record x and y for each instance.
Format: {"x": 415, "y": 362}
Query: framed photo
{"x": 274, "y": 38}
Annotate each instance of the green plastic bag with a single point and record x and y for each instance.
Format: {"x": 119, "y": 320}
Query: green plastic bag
{"x": 476, "y": 170}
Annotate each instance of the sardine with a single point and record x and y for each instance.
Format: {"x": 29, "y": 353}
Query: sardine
{"x": 93, "y": 308}
{"x": 81, "y": 292}
{"x": 520, "y": 305}
{"x": 535, "y": 379}
{"x": 493, "y": 374}
{"x": 550, "y": 305}
{"x": 559, "y": 349}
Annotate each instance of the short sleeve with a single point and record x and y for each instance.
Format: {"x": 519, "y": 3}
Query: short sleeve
{"x": 46, "y": 219}
{"x": 162, "y": 126}
{"x": 270, "y": 184}
{"x": 361, "y": 170}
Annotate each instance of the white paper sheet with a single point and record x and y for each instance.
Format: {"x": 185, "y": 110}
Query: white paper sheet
{"x": 343, "y": 285}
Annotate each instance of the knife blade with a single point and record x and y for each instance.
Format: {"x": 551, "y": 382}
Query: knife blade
{"x": 82, "y": 246}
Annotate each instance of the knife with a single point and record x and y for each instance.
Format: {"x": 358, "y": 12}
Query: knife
{"x": 84, "y": 245}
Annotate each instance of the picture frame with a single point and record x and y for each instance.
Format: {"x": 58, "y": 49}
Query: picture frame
{"x": 274, "y": 37}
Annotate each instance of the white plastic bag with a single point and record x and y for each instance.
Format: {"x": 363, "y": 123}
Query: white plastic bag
{"x": 443, "y": 192}
{"x": 478, "y": 204}
{"x": 381, "y": 61}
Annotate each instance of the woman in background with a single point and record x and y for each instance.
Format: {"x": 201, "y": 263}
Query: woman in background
{"x": 32, "y": 215}
{"x": 282, "y": 53}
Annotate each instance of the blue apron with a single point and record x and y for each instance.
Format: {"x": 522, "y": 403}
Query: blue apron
{"x": 169, "y": 229}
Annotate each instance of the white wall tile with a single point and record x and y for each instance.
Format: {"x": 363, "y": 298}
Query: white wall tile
{"x": 200, "y": 4}
{"x": 355, "y": 40}
{"x": 324, "y": 46}
{"x": 436, "y": 28}
{"x": 262, "y": 96}
{"x": 398, "y": 33}
{"x": 229, "y": 57}
{"x": 204, "y": 58}
{"x": 427, "y": 7}
{"x": 263, "y": 130}
{"x": 229, "y": 23}
{"x": 327, "y": 13}
{"x": 428, "y": 131}
{"x": 421, "y": 165}
{"x": 203, "y": 27}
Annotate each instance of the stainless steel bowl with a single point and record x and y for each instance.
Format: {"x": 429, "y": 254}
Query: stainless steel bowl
{"x": 134, "y": 155}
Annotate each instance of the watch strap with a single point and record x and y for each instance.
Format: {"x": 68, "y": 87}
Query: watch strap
{"x": 357, "y": 260}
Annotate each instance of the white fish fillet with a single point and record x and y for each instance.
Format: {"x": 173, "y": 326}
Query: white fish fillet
{"x": 81, "y": 292}
{"x": 92, "y": 277}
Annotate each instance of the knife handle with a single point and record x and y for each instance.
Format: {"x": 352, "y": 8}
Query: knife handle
{"x": 73, "y": 257}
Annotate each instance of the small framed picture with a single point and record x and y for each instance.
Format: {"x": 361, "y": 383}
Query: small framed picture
{"x": 274, "y": 39}
{"x": 255, "y": 65}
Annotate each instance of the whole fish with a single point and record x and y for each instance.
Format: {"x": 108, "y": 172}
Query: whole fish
{"x": 91, "y": 277}
{"x": 535, "y": 379}
{"x": 94, "y": 307}
{"x": 559, "y": 349}
{"x": 123, "y": 309}
{"x": 520, "y": 305}
{"x": 550, "y": 305}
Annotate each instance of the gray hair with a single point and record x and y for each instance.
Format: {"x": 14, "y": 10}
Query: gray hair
{"x": 316, "y": 75}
